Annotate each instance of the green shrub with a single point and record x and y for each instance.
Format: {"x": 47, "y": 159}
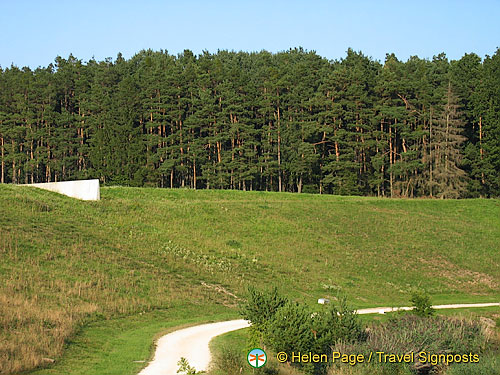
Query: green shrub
{"x": 185, "y": 368}
{"x": 291, "y": 327}
{"x": 421, "y": 304}
{"x": 337, "y": 322}
{"x": 259, "y": 308}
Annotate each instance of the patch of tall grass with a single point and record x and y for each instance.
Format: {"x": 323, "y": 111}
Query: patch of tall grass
{"x": 412, "y": 334}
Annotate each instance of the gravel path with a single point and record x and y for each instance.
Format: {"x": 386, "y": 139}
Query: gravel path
{"x": 383, "y": 310}
{"x": 192, "y": 343}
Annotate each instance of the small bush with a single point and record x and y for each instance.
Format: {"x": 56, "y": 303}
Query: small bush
{"x": 259, "y": 308}
{"x": 421, "y": 304}
{"x": 234, "y": 244}
{"x": 337, "y": 322}
{"x": 291, "y": 327}
{"x": 185, "y": 368}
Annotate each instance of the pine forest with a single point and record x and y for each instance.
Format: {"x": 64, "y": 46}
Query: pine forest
{"x": 291, "y": 121}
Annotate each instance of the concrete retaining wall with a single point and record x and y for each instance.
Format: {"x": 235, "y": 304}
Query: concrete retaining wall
{"x": 87, "y": 190}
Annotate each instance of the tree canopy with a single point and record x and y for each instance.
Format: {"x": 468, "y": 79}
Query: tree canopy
{"x": 290, "y": 121}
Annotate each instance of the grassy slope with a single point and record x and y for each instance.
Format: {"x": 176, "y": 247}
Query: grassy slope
{"x": 65, "y": 261}
{"x": 123, "y": 346}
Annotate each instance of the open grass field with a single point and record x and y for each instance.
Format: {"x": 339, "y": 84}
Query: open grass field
{"x": 123, "y": 346}
{"x": 66, "y": 263}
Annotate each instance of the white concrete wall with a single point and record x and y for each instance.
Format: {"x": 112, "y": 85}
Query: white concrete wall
{"x": 87, "y": 190}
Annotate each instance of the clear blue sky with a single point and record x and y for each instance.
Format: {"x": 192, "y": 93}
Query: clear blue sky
{"x": 33, "y": 33}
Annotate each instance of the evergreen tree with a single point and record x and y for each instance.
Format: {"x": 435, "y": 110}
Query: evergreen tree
{"x": 447, "y": 138}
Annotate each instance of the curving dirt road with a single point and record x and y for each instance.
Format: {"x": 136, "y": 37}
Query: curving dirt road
{"x": 192, "y": 343}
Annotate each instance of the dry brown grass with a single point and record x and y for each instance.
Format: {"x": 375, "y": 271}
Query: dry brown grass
{"x": 456, "y": 275}
{"x": 32, "y": 333}
{"x": 45, "y": 298}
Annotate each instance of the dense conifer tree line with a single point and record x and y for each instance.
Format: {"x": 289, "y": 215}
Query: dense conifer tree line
{"x": 291, "y": 121}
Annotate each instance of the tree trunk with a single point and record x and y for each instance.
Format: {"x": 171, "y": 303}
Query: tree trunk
{"x": 480, "y": 147}
{"x": 430, "y": 153}
{"x": 14, "y": 180}
{"x": 31, "y": 158}
{"x": 3, "y": 160}
{"x": 391, "y": 175}
{"x": 194, "y": 171}
{"x": 280, "y": 186}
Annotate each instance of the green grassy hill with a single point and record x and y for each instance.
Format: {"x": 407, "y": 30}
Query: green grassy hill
{"x": 64, "y": 262}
